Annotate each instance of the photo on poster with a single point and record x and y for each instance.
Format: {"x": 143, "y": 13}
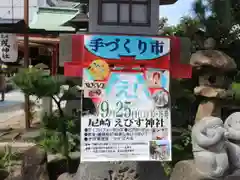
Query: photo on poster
{"x": 160, "y": 98}
{"x": 93, "y": 89}
{"x": 159, "y": 150}
{"x": 158, "y": 79}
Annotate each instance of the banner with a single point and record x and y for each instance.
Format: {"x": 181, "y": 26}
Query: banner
{"x": 8, "y": 47}
{"x": 132, "y": 121}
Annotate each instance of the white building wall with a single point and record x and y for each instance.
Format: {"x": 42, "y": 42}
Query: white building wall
{"x": 14, "y": 9}
{"x": 94, "y": 27}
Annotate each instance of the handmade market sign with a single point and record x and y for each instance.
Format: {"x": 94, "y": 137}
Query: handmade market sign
{"x": 132, "y": 120}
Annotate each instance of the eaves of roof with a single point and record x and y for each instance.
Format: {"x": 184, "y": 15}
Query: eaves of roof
{"x": 53, "y": 18}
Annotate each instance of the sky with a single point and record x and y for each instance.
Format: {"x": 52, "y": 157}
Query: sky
{"x": 176, "y": 11}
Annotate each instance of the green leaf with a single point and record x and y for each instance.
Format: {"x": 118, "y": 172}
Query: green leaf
{"x": 35, "y": 82}
{"x": 236, "y": 88}
{"x": 178, "y": 147}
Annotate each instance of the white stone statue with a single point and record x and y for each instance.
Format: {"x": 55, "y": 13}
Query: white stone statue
{"x": 232, "y": 126}
{"x": 209, "y": 148}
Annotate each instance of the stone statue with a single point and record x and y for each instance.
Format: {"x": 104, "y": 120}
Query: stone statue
{"x": 232, "y": 134}
{"x": 209, "y": 149}
{"x": 212, "y": 67}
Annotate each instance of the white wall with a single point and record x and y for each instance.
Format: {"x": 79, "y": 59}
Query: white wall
{"x": 17, "y": 12}
{"x": 95, "y": 28}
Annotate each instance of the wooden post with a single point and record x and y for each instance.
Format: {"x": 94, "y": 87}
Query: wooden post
{"x": 54, "y": 60}
{"x": 26, "y": 61}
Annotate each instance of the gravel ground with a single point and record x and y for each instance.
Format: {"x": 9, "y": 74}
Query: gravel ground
{"x": 17, "y": 120}
{"x": 12, "y": 113}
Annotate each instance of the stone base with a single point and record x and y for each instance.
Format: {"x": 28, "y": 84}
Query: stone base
{"x": 233, "y": 176}
{"x": 3, "y": 174}
{"x": 34, "y": 165}
{"x": 118, "y": 171}
{"x": 185, "y": 170}
{"x": 65, "y": 176}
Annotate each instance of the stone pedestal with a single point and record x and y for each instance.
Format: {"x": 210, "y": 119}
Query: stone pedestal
{"x": 34, "y": 164}
{"x": 118, "y": 171}
{"x": 46, "y": 106}
{"x": 233, "y": 176}
{"x": 65, "y": 176}
{"x": 185, "y": 170}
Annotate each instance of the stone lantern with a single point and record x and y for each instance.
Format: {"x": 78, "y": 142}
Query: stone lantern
{"x": 208, "y": 134}
{"x": 213, "y": 68}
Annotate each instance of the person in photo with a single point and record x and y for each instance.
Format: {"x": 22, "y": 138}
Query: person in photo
{"x": 159, "y": 150}
{"x": 160, "y": 98}
{"x": 156, "y": 78}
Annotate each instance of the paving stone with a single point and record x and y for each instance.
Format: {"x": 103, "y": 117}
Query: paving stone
{"x": 30, "y": 135}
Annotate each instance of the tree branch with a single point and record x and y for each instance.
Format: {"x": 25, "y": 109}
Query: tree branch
{"x": 58, "y": 103}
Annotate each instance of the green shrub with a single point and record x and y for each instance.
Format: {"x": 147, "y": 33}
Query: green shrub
{"x": 51, "y": 136}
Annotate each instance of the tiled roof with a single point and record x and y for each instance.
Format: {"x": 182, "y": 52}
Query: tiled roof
{"x": 161, "y": 2}
{"x": 66, "y": 4}
{"x": 167, "y": 2}
{"x": 53, "y": 18}
{"x": 9, "y": 21}
{"x": 80, "y": 18}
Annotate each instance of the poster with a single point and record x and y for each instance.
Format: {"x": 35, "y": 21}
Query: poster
{"x": 8, "y": 47}
{"x": 132, "y": 121}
